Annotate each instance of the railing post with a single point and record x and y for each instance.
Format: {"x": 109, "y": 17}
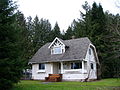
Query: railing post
{"x": 51, "y": 68}
{"x": 61, "y": 67}
{"x": 82, "y": 66}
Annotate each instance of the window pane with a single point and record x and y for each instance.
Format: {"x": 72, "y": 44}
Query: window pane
{"x": 80, "y": 64}
{"x": 57, "y": 50}
{"x": 76, "y": 65}
{"x": 59, "y": 65}
{"x": 65, "y": 65}
{"x": 89, "y": 51}
{"x": 91, "y": 65}
{"x": 72, "y": 66}
{"x": 41, "y": 66}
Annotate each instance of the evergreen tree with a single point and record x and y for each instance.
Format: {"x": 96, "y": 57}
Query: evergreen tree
{"x": 11, "y": 64}
{"x": 56, "y": 31}
{"x": 113, "y": 59}
{"x": 93, "y": 26}
{"x": 41, "y": 33}
{"x": 99, "y": 34}
{"x": 24, "y": 36}
{"x": 82, "y": 27}
{"x": 69, "y": 33}
{"x": 103, "y": 30}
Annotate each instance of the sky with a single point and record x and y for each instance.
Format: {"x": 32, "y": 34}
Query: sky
{"x": 61, "y": 11}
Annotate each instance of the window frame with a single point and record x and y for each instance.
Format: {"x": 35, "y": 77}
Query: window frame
{"x": 92, "y": 66}
{"x": 74, "y": 67}
{"x": 56, "y": 51}
{"x": 41, "y": 66}
{"x": 90, "y": 51}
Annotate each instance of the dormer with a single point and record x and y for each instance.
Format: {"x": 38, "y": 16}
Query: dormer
{"x": 57, "y": 46}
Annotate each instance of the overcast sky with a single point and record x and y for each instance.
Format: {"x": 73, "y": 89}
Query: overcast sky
{"x": 62, "y": 11}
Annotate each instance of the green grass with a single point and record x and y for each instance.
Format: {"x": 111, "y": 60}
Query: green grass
{"x": 105, "y": 84}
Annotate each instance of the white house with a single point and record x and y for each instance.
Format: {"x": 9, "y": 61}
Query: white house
{"x": 75, "y": 59}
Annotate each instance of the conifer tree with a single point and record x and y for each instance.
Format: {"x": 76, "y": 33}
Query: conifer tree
{"x": 93, "y": 26}
{"x": 11, "y": 64}
{"x": 41, "y": 33}
{"x": 113, "y": 59}
{"x": 56, "y": 31}
{"x": 69, "y": 33}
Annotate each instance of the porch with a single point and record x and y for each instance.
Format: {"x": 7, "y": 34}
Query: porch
{"x": 69, "y": 67}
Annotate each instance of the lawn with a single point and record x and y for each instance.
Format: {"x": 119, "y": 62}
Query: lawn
{"x": 105, "y": 84}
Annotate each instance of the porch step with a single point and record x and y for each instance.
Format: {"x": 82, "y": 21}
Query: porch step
{"x": 54, "y": 78}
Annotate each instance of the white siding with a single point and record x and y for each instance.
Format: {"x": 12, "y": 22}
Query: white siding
{"x": 91, "y": 59}
{"x": 40, "y": 74}
{"x": 73, "y": 77}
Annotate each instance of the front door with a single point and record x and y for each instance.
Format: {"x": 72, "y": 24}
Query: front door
{"x": 55, "y": 68}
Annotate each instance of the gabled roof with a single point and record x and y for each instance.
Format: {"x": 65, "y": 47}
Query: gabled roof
{"x": 59, "y": 39}
{"x": 76, "y": 51}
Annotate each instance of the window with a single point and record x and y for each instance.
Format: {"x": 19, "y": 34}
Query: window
{"x": 57, "y": 50}
{"x": 59, "y": 66}
{"x": 41, "y": 66}
{"x": 91, "y": 65}
{"x": 65, "y": 66}
{"x": 76, "y": 65}
{"x": 89, "y": 51}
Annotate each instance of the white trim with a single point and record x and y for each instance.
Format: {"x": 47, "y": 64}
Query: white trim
{"x": 57, "y": 52}
{"x": 51, "y": 68}
{"x": 62, "y": 68}
{"x": 94, "y": 50}
{"x": 72, "y": 70}
{"x": 97, "y": 61}
{"x": 40, "y": 71}
{"x": 82, "y": 66}
{"x": 54, "y": 41}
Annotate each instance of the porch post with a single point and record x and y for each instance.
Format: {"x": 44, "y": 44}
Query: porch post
{"x": 51, "y": 68}
{"x": 82, "y": 66}
{"x": 61, "y": 67}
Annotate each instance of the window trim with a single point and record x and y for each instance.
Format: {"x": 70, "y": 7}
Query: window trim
{"x": 92, "y": 66}
{"x": 41, "y": 67}
{"x": 73, "y": 67}
{"x": 53, "y": 50}
{"x": 56, "y": 49}
{"x": 90, "y": 51}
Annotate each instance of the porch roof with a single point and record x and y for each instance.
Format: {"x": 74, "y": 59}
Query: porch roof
{"x": 77, "y": 49}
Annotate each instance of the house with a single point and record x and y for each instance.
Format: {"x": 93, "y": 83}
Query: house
{"x": 74, "y": 59}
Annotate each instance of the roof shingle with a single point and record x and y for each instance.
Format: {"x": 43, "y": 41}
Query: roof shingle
{"x": 76, "y": 51}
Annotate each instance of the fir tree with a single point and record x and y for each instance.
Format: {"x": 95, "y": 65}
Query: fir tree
{"x": 69, "y": 33}
{"x": 11, "y": 65}
{"x": 41, "y": 33}
{"x": 56, "y": 31}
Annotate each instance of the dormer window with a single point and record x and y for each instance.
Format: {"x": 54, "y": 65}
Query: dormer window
{"x": 57, "y": 46}
{"x": 57, "y": 50}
